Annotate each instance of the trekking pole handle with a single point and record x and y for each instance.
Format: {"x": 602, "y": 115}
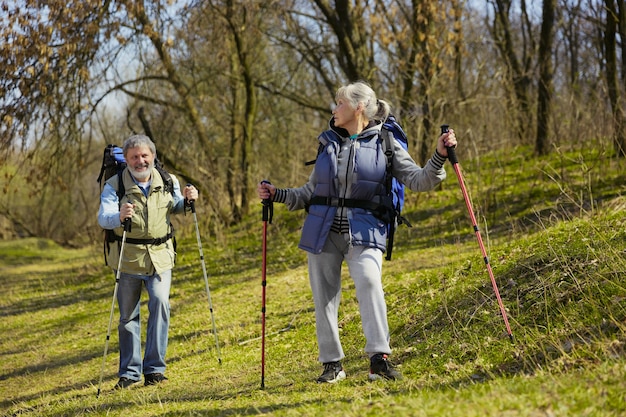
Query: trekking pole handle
{"x": 267, "y": 205}
{"x": 191, "y": 203}
{"x": 451, "y": 151}
{"x": 266, "y": 201}
{"x": 127, "y": 221}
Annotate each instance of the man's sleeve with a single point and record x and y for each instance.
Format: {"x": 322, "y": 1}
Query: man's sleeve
{"x": 179, "y": 200}
{"x": 109, "y": 212}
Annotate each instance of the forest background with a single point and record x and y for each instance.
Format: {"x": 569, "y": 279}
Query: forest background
{"x": 237, "y": 91}
{"x": 234, "y": 92}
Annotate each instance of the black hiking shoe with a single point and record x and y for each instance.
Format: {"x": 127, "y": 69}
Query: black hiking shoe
{"x": 333, "y": 372}
{"x": 381, "y": 368}
{"x": 124, "y": 383}
{"x": 153, "y": 379}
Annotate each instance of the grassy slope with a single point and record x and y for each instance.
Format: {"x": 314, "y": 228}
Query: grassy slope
{"x": 556, "y": 236}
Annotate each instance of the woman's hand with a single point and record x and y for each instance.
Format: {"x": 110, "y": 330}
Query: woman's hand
{"x": 265, "y": 190}
{"x": 445, "y": 141}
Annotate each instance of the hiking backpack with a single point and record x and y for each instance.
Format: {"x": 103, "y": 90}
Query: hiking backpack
{"x": 113, "y": 163}
{"x": 392, "y": 130}
{"x": 391, "y": 210}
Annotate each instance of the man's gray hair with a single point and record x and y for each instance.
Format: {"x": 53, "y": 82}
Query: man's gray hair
{"x": 136, "y": 141}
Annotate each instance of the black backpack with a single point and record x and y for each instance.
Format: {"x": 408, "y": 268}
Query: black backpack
{"x": 113, "y": 163}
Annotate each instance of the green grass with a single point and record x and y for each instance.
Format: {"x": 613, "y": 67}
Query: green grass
{"x": 555, "y": 231}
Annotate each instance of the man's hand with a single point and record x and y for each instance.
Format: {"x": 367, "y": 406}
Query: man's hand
{"x": 126, "y": 211}
{"x": 190, "y": 192}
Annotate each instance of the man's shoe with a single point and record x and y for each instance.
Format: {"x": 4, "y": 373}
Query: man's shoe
{"x": 153, "y": 379}
{"x": 333, "y": 372}
{"x": 381, "y": 368}
{"x": 124, "y": 383}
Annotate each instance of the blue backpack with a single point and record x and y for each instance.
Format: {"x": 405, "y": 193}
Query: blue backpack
{"x": 393, "y": 131}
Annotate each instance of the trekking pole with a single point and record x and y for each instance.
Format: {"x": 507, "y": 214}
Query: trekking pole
{"x": 127, "y": 226}
{"x": 192, "y": 204}
{"x": 455, "y": 164}
{"x": 268, "y": 212}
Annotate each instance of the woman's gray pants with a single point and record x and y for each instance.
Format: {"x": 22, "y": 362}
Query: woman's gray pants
{"x": 365, "y": 268}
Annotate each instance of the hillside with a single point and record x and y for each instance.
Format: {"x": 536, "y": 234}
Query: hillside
{"x": 555, "y": 231}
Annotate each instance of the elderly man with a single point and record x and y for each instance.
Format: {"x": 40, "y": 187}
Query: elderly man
{"x": 148, "y": 199}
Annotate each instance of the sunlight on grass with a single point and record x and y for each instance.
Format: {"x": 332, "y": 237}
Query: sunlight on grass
{"x": 556, "y": 238}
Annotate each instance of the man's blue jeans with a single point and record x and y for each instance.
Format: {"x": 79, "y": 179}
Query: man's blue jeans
{"x": 129, "y": 328}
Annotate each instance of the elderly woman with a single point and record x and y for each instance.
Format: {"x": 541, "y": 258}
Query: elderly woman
{"x": 350, "y": 174}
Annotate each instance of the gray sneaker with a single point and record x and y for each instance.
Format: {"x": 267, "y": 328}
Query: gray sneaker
{"x": 381, "y": 368}
{"x": 333, "y": 372}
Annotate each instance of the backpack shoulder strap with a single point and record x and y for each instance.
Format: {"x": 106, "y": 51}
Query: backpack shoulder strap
{"x": 319, "y": 151}
{"x": 121, "y": 190}
{"x": 168, "y": 187}
{"x": 168, "y": 183}
{"x": 388, "y": 149}
{"x": 117, "y": 182}
{"x": 387, "y": 143}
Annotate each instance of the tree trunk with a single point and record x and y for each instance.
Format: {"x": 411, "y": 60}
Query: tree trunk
{"x": 347, "y": 23}
{"x": 179, "y": 86}
{"x": 610, "y": 52}
{"x": 518, "y": 68}
{"x": 544, "y": 93}
{"x": 620, "y": 139}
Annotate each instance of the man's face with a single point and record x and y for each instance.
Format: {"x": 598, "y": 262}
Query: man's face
{"x": 140, "y": 162}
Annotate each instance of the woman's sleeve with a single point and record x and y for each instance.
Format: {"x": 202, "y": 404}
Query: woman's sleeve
{"x": 296, "y": 198}
{"x": 412, "y": 175}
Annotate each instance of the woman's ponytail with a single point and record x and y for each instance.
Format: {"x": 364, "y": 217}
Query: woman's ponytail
{"x": 383, "y": 110}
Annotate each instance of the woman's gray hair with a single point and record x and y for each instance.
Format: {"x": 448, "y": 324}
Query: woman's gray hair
{"x": 360, "y": 92}
{"x": 136, "y": 141}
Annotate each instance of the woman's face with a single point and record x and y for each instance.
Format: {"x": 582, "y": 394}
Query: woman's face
{"x": 344, "y": 113}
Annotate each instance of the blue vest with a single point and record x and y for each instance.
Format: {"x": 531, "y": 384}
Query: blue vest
{"x": 369, "y": 169}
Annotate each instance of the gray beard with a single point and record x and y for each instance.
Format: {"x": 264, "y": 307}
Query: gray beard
{"x": 141, "y": 176}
